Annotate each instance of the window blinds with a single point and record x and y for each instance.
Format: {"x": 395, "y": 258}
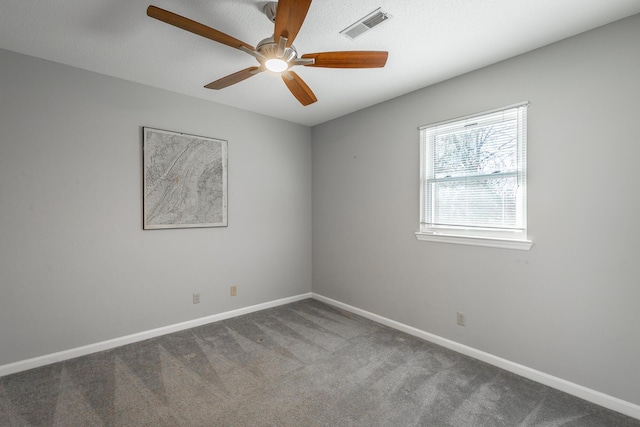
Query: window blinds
{"x": 474, "y": 171}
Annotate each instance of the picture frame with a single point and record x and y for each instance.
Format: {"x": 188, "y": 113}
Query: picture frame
{"x": 184, "y": 180}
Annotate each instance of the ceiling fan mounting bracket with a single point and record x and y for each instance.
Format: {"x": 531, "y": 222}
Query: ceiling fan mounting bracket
{"x": 270, "y": 9}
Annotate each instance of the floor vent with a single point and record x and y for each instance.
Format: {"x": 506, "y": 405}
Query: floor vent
{"x": 365, "y": 24}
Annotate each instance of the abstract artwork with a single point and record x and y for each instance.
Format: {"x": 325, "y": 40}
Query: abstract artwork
{"x": 185, "y": 180}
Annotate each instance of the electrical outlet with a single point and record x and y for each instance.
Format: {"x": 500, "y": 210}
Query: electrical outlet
{"x": 460, "y": 318}
{"x": 234, "y": 291}
{"x": 196, "y": 298}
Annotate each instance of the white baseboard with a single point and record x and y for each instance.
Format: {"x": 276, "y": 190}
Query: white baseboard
{"x": 582, "y": 392}
{"x": 593, "y": 396}
{"x": 47, "y": 359}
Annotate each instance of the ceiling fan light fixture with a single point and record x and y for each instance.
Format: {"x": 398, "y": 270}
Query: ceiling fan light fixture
{"x": 276, "y": 65}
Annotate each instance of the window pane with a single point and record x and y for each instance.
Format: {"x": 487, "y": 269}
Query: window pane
{"x": 473, "y": 175}
{"x": 476, "y": 150}
{"x": 489, "y": 202}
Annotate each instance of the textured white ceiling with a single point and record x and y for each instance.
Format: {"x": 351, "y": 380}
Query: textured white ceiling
{"x": 428, "y": 41}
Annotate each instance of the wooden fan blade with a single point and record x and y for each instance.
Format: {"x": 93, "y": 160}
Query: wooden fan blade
{"x": 298, "y": 88}
{"x": 195, "y": 27}
{"x": 348, "y": 59}
{"x": 234, "y": 78}
{"x": 289, "y": 18}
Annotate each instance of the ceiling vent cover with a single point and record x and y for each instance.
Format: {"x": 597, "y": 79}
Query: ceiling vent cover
{"x": 365, "y": 24}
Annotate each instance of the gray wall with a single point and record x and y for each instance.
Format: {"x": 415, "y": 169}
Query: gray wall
{"x": 568, "y": 307}
{"x": 76, "y": 268}
{"x": 75, "y": 265}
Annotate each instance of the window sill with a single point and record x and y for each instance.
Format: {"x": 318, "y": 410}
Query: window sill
{"x": 492, "y": 242}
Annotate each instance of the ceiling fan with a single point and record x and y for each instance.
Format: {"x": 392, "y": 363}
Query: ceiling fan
{"x": 277, "y": 53}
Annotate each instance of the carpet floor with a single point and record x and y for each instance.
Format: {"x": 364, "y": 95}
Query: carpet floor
{"x": 301, "y": 364}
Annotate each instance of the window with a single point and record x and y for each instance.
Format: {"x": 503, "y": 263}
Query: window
{"x": 474, "y": 179}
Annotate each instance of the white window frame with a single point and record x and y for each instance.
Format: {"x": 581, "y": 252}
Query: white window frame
{"x": 492, "y": 237}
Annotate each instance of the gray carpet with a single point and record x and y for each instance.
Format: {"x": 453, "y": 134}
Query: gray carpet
{"x": 302, "y": 364}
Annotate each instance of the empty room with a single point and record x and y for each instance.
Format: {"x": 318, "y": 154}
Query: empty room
{"x": 319, "y": 213}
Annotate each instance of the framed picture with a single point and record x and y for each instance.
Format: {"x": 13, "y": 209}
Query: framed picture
{"x": 185, "y": 180}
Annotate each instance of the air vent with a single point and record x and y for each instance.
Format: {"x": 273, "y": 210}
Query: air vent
{"x": 365, "y": 24}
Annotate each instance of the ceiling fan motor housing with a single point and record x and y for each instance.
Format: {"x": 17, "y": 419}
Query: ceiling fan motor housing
{"x": 269, "y": 49}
